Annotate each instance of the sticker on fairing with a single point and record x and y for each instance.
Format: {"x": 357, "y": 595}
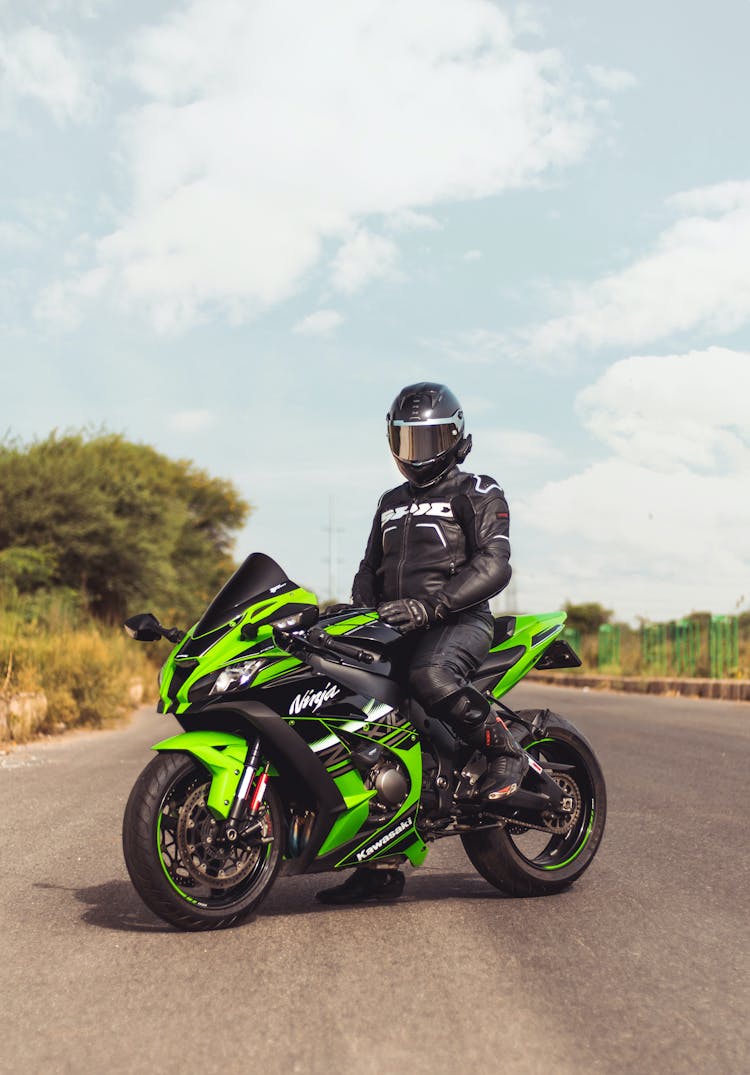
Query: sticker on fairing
{"x": 535, "y": 765}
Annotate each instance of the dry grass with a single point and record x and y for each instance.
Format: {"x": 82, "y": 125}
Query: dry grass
{"x": 84, "y": 669}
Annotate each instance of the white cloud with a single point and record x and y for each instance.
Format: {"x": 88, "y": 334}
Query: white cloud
{"x": 411, "y": 220}
{"x": 61, "y": 303}
{"x": 272, "y": 128}
{"x": 718, "y": 198}
{"x": 363, "y": 258}
{"x": 14, "y": 235}
{"x": 320, "y": 323}
{"x": 612, "y": 79}
{"x": 696, "y": 278}
{"x": 191, "y": 421}
{"x": 38, "y": 65}
{"x": 674, "y": 411}
{"x": 472, "y": 255}
{"x": 519, "y": 446}
{"x": 661, "y": 525}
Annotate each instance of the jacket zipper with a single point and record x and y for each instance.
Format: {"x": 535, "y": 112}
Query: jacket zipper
{"x": 400, "y": 573}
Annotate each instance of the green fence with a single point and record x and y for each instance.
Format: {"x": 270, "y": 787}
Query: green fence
{"x": 687, "y": 648}
{"x": 686, "y": 643}
{"x": 609, "y": 645}
{"x": 723, "y": 646}
{"x": 573, "y": 637}
{"x": 654, "y": 655}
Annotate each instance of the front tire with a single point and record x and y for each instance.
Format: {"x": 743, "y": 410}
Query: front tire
{"x": 177, "y": 861}
{"x": 531, "y": 863}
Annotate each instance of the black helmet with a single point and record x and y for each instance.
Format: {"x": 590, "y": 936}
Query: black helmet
{"x": 426, "y": 432}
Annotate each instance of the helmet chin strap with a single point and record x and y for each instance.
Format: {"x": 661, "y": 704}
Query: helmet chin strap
{"x": 463, "y": 449}
{"x": 433, "y": 481}
{"x": 460, "y": 454}
{"x": 457, "y": 455}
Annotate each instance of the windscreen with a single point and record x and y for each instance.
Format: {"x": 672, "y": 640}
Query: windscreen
{"x": 258, "y": 574}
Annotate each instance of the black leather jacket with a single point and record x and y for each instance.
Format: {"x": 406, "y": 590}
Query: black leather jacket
{"x": 449, "y": 542}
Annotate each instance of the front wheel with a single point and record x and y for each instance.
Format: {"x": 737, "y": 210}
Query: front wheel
{"x": 182, "y": 867}
{"x": 539, "y": 862}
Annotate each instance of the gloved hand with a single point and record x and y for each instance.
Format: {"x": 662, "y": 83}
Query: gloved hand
{"x": 410, "y": 614}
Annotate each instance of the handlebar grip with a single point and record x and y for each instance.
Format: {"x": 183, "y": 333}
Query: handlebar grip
{"x": 319, "y": 637}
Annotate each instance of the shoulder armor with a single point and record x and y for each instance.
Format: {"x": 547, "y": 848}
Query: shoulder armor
{"x": 482, "y": 484}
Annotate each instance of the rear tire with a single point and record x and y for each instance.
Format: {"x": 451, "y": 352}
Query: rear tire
{"x": 541, "y": 864}
{"x": 165, "y": 816}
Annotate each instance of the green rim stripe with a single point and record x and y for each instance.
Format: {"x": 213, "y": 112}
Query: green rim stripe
{"x": 576, "y": 853}
{"x": 164, "y": 867}
{"x": 536, "y": 742}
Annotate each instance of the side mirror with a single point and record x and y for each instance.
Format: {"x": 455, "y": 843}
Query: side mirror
{"x": 146, "y": 628}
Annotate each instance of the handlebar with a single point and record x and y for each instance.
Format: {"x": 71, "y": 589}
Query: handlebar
{"x": 317, "y": 639}
{"x": 321, "y": 638}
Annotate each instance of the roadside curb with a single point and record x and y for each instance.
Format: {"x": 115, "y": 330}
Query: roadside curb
{"x": 730, "y": 690}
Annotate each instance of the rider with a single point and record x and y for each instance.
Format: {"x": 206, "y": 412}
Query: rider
{"x": 438, "y": 550}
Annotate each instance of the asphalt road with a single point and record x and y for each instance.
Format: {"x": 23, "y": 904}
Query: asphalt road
{"x": 642, "y": 966}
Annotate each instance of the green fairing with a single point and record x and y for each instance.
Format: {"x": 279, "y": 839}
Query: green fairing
{"x": 232, "y": 648}
{"x": 411, "y": 758}
{"x": 527, "y": 627}
{"x": 225, "y": 765}
{"x": 344, "y": 626}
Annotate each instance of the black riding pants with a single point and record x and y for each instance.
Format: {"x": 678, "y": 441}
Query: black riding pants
{"x": 443, "y": 659}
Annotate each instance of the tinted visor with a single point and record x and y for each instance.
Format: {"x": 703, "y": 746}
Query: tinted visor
{"x": 422, "y": 442}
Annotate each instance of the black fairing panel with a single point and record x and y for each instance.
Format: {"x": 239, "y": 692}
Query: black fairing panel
{"x": 286, "y": 749}
{"x": 504, "y": 629}
{"x": 357, "y": 679}
{"x": 376, "y": 632}
{"x": 294, "y": 694}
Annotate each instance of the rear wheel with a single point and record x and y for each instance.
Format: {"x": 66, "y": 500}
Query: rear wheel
{"x": 178, "y": 859}
{"x": 537, "y": 862}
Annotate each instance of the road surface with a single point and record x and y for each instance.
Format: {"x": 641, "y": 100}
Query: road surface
{"x": 643, "y": 966}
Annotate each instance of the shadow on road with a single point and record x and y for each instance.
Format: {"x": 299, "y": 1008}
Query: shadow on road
{"x": 295, "y": 896}
{"x": 115, "y": 905}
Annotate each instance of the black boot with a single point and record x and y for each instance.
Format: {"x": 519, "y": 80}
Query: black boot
{"x": 507, "y": 761}
{"x": 365, "y": 884}
{"x": 478, "y": 724}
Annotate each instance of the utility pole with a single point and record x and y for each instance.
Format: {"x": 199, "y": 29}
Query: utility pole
{"x": 333, "y": 557}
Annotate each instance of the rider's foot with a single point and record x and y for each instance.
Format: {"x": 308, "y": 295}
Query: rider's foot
{"x": 507, "y": 761}
{"x": 365, "y": 884}
{"x": 503, "y": 777}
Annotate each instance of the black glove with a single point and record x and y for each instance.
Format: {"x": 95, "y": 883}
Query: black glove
{"x": 410, "y": 614}
{"x": 336, "y": 610}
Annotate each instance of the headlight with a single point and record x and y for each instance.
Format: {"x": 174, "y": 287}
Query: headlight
{"x": 238, "y": 675}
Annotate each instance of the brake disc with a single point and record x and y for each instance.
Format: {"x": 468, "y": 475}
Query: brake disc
{"x": 203, "y": 851}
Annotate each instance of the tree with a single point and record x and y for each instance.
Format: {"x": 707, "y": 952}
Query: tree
{"x": 118, "y": 522}
{"x": 587, "y": 618}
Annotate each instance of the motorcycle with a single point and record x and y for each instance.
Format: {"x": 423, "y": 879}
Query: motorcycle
{"x": 301, "y": 753}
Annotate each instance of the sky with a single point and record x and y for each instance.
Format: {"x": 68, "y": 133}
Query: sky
{"x": 234, "y": 229}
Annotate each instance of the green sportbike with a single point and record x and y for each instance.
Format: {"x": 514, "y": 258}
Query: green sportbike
{"x": 301, "y": 752}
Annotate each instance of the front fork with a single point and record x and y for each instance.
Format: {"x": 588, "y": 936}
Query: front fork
{"x": 243, "y": 818}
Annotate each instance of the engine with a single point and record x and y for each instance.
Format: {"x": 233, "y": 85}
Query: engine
{"x": 390, "y": 781}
